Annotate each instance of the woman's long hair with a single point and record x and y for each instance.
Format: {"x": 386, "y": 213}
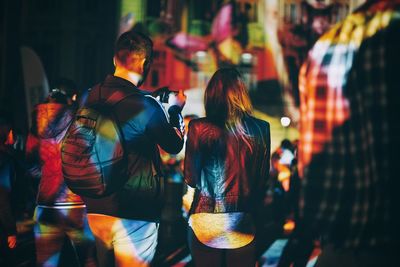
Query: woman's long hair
{"x": 226, "y": 100}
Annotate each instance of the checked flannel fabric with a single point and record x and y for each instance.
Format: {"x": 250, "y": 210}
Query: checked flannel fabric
{"x": 345, "y": 87}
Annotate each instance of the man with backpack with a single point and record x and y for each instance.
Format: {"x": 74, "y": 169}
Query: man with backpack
{"x": 111, "y": 156}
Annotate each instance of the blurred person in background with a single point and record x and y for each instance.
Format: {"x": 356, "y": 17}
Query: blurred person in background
{"x": 349, "y": 138}
{"x": 59, "y": 213}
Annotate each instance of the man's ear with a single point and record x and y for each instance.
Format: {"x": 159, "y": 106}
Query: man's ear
{"x": 143, "y": 64}
{"x": 114, "y": 61}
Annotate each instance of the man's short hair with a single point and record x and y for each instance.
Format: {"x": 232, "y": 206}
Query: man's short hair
{"x": 133, "y": 42}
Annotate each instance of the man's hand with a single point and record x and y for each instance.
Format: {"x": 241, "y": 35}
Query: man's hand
{"x": 12, "y": 241}
{"x": 178, "y": 99}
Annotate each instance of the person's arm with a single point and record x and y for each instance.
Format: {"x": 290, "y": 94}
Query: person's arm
{"x": 192, "y": 169}
{"x": 317, "y": 121}
{"x": 310, "y": 186}
{"x": 166, "y": 131}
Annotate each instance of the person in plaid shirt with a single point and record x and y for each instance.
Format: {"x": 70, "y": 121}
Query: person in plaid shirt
{"x": 349, "y": 86}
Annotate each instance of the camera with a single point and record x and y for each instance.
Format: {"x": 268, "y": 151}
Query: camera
{"x": 163, "y": 94}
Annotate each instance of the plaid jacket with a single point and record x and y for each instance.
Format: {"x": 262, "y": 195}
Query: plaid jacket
{"x": 348, "y": 91}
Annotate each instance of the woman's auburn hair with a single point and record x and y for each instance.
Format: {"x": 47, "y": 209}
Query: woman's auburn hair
{"x": 226, "y": 98}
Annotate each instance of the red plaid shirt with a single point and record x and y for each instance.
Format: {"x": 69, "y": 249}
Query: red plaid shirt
{"x": 346, "y": 88}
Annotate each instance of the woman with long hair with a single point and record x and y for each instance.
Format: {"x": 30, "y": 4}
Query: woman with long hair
{"x": 227, "y": 162}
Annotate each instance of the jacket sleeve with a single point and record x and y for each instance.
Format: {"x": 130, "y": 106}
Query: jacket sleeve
{"x": 167, "y": 131}
{"x": 265, "y": 164}
{"x": 262, "y": 165}
{"x": 192, "y": 170}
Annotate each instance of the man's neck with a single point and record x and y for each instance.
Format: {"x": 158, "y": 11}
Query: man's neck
{"x": 131, "y": 76}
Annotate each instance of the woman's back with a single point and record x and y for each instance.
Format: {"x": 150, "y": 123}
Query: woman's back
{"x": 233, "y": 166}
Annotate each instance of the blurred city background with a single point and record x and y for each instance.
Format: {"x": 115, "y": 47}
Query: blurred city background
{"x": 43, "y": 40}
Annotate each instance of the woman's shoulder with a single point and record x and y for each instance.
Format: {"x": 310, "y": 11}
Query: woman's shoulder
{"x": 199, "y": 122}
{"x": 257, "y": 121}
{"x": 205, "y": 128}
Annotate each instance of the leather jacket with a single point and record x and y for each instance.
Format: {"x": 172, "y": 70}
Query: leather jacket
{"x": 43, "y": 153}
{"x": 229, "y": 171}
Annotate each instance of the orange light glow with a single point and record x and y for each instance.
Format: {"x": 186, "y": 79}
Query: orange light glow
{"x": 10, "y": 138}
{"x": 288, "y": 227}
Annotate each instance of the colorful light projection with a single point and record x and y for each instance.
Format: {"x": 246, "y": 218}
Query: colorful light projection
{"x": 266, "y": 39}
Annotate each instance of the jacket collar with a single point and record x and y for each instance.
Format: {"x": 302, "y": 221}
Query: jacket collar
{"x": 114, "y": 81}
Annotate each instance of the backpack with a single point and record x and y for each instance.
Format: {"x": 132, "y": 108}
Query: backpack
{"x": 94, "y": 162}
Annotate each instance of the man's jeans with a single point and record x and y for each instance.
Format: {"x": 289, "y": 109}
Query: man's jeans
{"x": 51, "y": 228}
{"x": 123, "y": 242}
